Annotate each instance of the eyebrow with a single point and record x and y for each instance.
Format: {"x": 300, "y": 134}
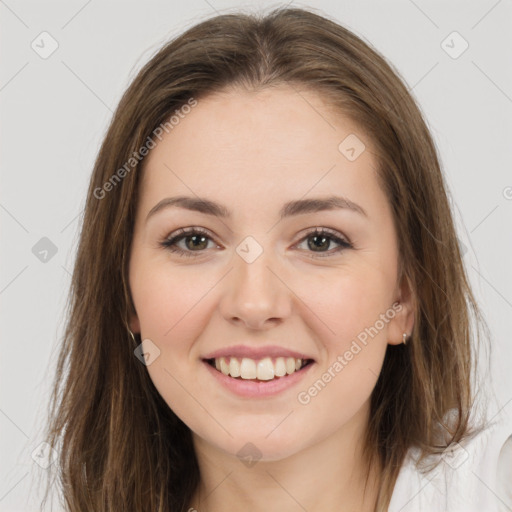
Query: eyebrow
{"x": 289, "y": 209}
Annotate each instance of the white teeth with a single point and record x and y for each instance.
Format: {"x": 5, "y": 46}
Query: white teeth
{"x": 248, "y": 369}
{"x": 224, "y": 367}
{"x": 234, "y": 367}
{"x": 265, "y": 369}
{"x": 280, "y": 367}
{"x": 261, "y": 369}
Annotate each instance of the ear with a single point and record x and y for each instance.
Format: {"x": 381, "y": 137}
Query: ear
{"x": 405, "y": 309}
{"x": 134, "y": 324}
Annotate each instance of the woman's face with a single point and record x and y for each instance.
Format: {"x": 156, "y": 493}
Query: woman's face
{"x": 256, "y": 285}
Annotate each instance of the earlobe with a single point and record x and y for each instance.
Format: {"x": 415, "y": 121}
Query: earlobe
{"x": 401, "y": 326}
{"x": 134, "y": 324}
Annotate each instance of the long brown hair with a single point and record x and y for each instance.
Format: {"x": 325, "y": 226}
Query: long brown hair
{"x": 120, "y": 446}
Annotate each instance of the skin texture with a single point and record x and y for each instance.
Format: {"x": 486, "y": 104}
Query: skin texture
{"x": 252, "y": 152}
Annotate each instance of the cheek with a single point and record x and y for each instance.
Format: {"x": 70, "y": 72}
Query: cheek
{"x": 354, "y": 308}
{"x": 170, "y": 304}
{"x": 173, "y": 308}
{"x": 351, "y": 304}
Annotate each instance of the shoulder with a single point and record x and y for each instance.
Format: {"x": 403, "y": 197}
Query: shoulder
{"x": 471, "y": 477}
{"x": 504, "y": 476}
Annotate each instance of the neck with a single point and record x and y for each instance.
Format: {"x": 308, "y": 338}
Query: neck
{"x": 329, "y": 475}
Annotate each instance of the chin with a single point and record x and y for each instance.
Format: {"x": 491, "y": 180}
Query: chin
{"x": 257, "y": 444}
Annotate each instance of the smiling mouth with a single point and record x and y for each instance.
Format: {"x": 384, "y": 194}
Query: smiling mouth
{"x": 264, "y": 369}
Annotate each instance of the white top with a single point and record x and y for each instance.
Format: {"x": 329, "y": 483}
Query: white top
{"x": 475, "y": 476}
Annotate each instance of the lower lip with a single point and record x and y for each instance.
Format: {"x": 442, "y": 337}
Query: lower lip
{"x": 257, "y": 389}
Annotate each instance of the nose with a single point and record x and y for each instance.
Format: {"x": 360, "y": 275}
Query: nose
{"x": 255, "y": 294}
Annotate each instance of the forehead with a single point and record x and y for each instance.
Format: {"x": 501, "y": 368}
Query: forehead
{"x": 286, "y": 122}
{"x": 274, "y": 142}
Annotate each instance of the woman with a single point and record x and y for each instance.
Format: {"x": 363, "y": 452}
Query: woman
{"x": 269, "y": 308}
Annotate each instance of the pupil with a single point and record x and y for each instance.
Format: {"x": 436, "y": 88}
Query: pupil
{"x": 323, "y": 240}
{"x": 195, "y": 237}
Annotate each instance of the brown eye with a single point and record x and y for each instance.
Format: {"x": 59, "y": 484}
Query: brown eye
{"x": 321, "y": 239}
{"x": 195, "y": 241}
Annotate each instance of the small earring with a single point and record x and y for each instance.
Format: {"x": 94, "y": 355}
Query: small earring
{"x": 132, "y": 335}
{"x": 404, "y": 338}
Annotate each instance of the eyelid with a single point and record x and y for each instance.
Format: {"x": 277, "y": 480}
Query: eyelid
{"x": 190, "y": 230}
{"x": 328, "y": 231}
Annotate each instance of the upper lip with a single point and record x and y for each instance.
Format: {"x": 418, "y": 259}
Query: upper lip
{"x": 260, "y": 352}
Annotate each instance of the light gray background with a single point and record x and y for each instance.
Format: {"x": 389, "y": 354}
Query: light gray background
{"x": 55, "y": 112}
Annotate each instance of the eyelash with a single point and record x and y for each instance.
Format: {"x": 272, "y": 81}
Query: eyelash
{"x": 170, "y": 243}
